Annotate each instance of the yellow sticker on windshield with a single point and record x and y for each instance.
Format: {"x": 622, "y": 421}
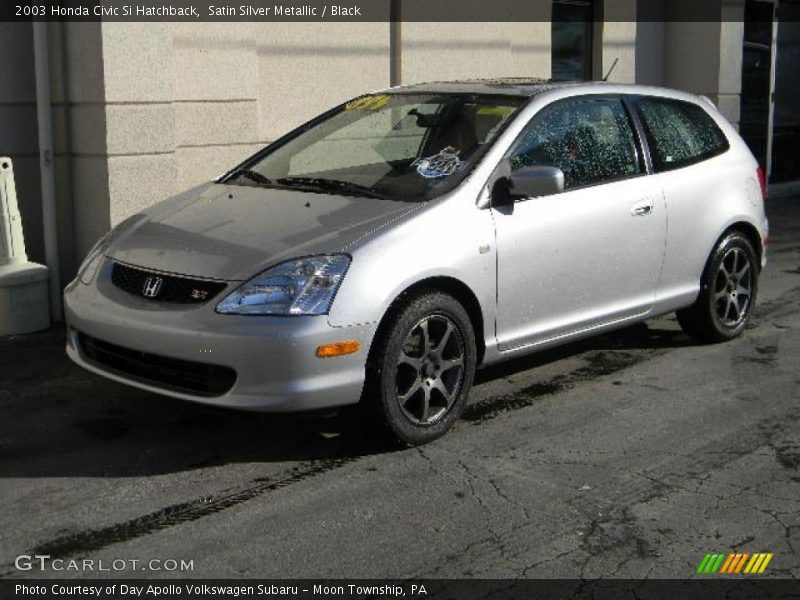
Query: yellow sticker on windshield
{"x": 368, "y": 103}
{"x": 498, "y": 111}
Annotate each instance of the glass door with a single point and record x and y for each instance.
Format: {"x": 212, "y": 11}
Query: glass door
{"x": 756, "y": 96}
{"x": 571, "y": 36}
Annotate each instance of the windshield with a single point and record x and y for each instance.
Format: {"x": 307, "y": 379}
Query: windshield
{"x": 410, "y": 147}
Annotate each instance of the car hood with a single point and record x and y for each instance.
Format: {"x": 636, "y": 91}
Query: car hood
{"x": 232, "y": 232}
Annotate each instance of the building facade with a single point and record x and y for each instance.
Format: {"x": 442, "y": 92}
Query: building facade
{"x": 142, "y": 111}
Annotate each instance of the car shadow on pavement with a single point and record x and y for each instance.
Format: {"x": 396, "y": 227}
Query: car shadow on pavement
{"x": 57, "y": 420}
{"x": 641, "y": 336}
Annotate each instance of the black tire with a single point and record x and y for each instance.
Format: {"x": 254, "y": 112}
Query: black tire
{"x": 388, "y": 396}
{"x": 722, "y": 310}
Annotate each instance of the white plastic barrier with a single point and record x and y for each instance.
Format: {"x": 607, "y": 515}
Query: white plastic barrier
{"x": 23, "y": 285}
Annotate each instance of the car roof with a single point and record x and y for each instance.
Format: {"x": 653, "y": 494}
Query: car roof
{"x": 529, "y": 87}
{"x": 512, "y": 86}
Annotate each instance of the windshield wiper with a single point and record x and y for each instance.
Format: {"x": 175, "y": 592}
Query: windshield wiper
{"x": 331, "y": 185}
{"x": 251, "y": 175}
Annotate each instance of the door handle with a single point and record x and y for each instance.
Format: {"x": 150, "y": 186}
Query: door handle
{"x": 641, "y": 210}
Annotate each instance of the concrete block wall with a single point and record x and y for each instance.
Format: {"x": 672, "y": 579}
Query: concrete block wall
{"x": 184, "y": 102}
{"x": 442, "y": 51}
{"x": 618, "y": 42}
{"x": 79, "y": 132}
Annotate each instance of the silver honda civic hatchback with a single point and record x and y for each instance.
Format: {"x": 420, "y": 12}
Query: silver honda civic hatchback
{"x": 383, "y": 251}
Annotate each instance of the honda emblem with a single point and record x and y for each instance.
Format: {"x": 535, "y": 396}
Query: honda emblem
{"x": 152, "y": 286}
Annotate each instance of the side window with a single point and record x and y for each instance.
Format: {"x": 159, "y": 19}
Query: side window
{"x": 679, "y": 133}
{"x": 590, "y": 140}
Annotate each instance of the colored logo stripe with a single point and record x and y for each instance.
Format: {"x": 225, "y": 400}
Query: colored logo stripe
{"x": 734, "y": 563}
{"x": 758, "y": 563}
{"x": 739, "y": 561}
{"x": 710, "y": 563}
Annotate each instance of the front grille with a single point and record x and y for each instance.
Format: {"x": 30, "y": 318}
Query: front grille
{"x": 164, "y": 288}
{"x": 173, "y": 373}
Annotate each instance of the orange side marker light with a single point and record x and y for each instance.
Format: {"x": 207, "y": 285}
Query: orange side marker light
{"x": 338, "y": 349}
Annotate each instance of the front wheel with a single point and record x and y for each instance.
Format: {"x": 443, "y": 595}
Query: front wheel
{"x": 728, "y": 292}
{"x": 422, "y": 367}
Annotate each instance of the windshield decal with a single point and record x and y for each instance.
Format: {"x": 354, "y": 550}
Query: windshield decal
{"x": 445, "y": 163}
{"x": 368, "y": 103}
{"x": 495, "y": 111}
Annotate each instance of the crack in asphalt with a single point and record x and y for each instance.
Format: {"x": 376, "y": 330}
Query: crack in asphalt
{"x": 508, "y": 499}
{"x": 496, "y": 536}
{"x": 610, "y": 525}
{"x": 618, "y": 529}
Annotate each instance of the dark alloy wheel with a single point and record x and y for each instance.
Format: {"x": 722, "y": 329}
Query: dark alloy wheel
{"x": 430, "y": 369}
{"x": 733, "y": 287}
{"x": 728, "y": 292}
{"x": 421, "y": 367}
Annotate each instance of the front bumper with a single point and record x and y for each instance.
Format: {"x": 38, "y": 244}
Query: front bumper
{"x": 273, "y": 357}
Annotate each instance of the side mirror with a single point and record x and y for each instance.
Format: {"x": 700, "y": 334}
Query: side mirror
{"x": 531, "y": 182}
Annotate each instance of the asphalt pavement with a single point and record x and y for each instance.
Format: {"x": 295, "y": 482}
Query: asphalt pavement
{"x": 628, "y": 455}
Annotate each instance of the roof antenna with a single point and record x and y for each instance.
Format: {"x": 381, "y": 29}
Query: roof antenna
{"x": 616, "y": 60}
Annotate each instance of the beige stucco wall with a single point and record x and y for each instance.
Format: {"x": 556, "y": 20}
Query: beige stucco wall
{"x": 618, "y": 41}
{"x": 183, "y": 102}
{"x": 306, "y": 68}
{"x": 442, "y": 51}
{"x": 618, "y": 45}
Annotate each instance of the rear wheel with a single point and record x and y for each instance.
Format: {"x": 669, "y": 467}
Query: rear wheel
{"x": 728, "y": 292}
{"x": 422, "y": 368}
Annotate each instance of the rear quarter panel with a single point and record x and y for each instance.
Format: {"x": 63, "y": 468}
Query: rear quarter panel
{"x": 703, "y": 200}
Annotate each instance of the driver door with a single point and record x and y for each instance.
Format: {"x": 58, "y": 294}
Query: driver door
{"x": 591, "y": 254}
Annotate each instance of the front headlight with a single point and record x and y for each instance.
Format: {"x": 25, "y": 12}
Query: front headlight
{"x": 89, "y": 266}
{"x": 298, "y": 287}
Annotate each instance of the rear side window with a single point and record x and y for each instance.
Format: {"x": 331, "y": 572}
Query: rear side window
{"x": 590, "y": 140}
{"x": 679, "y": 133}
